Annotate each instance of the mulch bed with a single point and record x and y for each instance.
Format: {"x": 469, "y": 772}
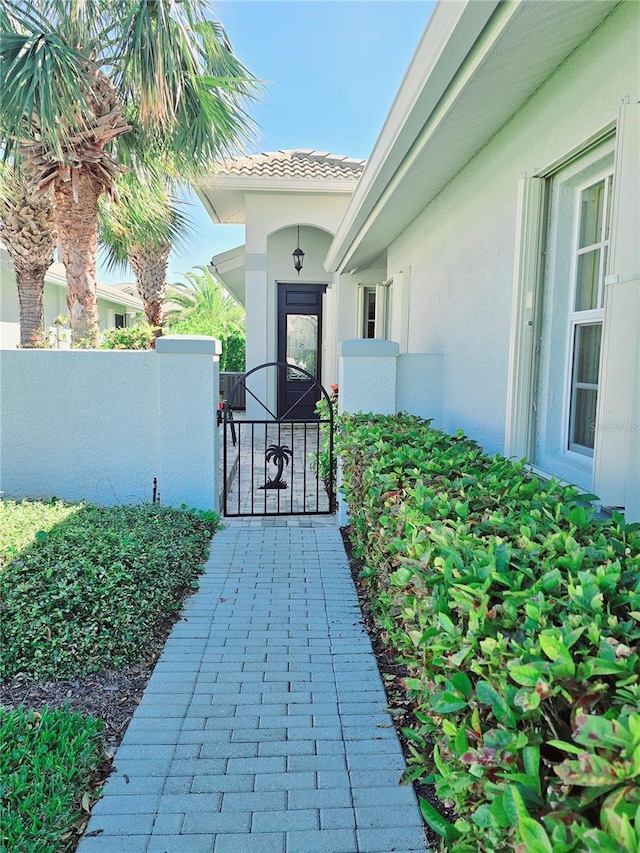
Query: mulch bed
{"x": 111, "y": 696}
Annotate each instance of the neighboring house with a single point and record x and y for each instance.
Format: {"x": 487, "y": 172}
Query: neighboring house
{"x": 496, "y": 228}
{"x": 281, "y": 197}
{"x": 117, "y": 306}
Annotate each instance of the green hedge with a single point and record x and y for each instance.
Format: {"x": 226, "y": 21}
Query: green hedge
{"x": 517, "y": 613}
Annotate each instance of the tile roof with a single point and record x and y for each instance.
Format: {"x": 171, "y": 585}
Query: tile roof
{"x": 295, "y": 164}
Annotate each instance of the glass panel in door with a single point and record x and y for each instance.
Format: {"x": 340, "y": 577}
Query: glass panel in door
{"x": 302, "y": 345}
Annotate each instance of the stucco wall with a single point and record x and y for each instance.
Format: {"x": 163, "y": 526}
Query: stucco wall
{"x": 458, "y": 255}
{"x": 267, "y": 213}
{"x": 100, "y": 425}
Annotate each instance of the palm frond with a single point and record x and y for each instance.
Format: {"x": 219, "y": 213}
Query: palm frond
{"x": 202, "y": 295}
{"x": 187, "y": 84}
{"x": 144, "y": 215}
{"x": 45, "y": 86}
{"x": 19, "y": 17}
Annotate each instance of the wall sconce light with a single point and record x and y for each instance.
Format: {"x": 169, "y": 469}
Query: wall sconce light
{"x": 298, "y": 255}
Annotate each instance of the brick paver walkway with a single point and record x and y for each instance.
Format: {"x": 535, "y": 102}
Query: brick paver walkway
{"x": 263, "y": 728}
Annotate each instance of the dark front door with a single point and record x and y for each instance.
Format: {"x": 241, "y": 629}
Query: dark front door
{"x": 299, "y": 345}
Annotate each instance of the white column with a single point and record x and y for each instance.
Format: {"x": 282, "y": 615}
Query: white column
{"x": 258, "y": 330}
{"x": 188, "y": 380}
{"x": 366, "y": 383}
{"x": 367, "y": 376}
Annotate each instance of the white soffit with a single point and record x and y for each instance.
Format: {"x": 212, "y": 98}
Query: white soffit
{"x": 510, "y": 58}
{"x": 229, "y": 268}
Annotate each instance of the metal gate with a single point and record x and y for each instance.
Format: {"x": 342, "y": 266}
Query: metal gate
{"x": 277, "y": 465}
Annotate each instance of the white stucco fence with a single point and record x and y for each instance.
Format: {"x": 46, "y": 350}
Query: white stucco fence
{"x": 373, "y": 376}
{"x": 99, "y": 425}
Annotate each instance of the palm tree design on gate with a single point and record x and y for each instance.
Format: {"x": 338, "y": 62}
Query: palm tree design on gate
{"x": 278, "y": 455}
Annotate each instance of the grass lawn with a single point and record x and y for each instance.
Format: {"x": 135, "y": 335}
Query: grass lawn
{"x": 88, "y": 596}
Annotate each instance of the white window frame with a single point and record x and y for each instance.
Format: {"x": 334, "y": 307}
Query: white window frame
{"x": 368, "y": 294}
{"x": 539, "y": 200}
{"x": 615, "y": 465}
{"x": 589, "y": 317}
{"x": 550, "y": 439}
{"x": 381, "y": 294}
{"x": 527, "y": 275}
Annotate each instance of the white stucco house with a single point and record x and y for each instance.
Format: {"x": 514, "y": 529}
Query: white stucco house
{"x": 493, "y": 236}
{"x": 117, "y": 306}
{"x": 285, "y": 199}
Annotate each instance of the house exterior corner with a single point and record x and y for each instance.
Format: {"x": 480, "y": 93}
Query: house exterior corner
{"x": 518, "y": 266}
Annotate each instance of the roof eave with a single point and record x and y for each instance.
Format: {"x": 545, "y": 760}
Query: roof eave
{"x": 252, "y": 183}
{"x": 451, "y": 32}
{"x": 121, "y": 298}
{"x": 231, "y": 261}
{"x": 413, "y": 169}
{"x": 207, "y": 204}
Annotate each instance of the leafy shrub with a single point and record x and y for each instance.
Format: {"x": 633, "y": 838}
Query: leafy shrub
{"x": 204, "y": 307}
{"x": 324, "y": 461}
{"x": 20, "y": 523}
{"x": 47, "y": 762}
{"x": 93, "y": 587}
{"x": 233, "y": 356}
{"x": 517, "y": 612}
{"x": 137, "y": 337}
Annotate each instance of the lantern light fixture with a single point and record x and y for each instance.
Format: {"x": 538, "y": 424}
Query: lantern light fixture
{"x": 298, "y": 255}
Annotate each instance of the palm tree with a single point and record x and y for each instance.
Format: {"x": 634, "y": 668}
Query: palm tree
{"x": 86, "y": 83}
{"x": 27, "y": 231}
{"x": 204, "y": 307}
{"x": 140, "y": 229}
{"x": 202, "y": 296}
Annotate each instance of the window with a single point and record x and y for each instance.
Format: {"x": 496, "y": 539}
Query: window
{"x": 570, "y": 323}
{"x": 374, "y": 311}
{"x": 573, "y": 395}
{"x": 302, "y": 345}
{"x": 585, "y": 318}
{"x": 120, "y": 321}
{"x": 369, "y": 330}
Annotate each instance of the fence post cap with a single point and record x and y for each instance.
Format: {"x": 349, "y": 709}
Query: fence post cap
{"x": 189, "y": 344}
{"x": 369, "y": 348}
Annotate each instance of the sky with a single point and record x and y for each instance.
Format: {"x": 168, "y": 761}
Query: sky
{"x": 330, "y": 71}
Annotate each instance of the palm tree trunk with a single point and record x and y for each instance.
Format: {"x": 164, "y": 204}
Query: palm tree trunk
{"x": 30, "y": 281}
{"x": 28, "y": 233}
{"x": 77, "y": 225}
{"x": 150, "y": 269}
